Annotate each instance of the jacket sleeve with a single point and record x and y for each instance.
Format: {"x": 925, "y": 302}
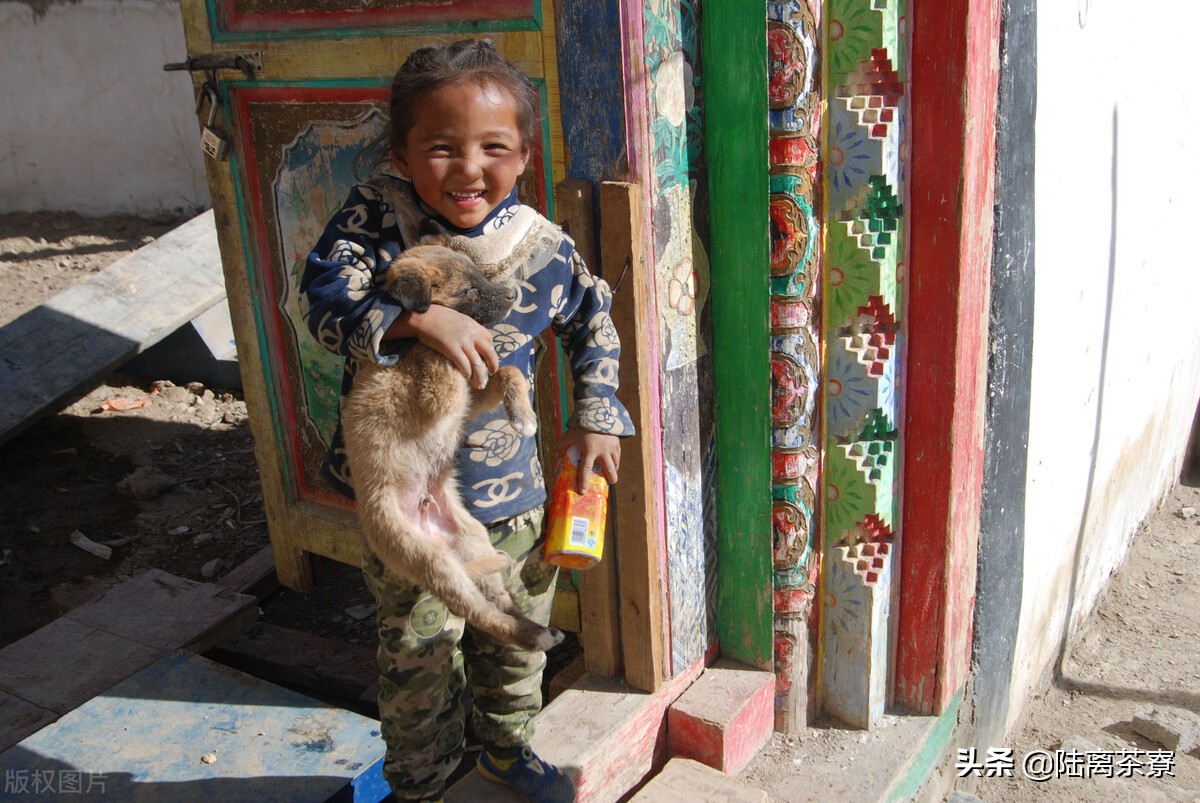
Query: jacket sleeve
{"x": 339, "y": 299}
{"x": 587, "y": 333}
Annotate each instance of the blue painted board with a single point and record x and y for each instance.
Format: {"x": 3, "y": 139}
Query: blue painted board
{"x": 189, "y": 729}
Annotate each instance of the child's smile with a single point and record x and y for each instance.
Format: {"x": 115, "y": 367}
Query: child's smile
{"x": 464, "y": 151}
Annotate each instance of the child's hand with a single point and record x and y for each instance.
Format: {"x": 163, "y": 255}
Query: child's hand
{"x": 462, "y": 340}
{"x": 595, "y": 448}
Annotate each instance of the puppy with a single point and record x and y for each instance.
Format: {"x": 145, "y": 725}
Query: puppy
{"x": 403, "y": 424}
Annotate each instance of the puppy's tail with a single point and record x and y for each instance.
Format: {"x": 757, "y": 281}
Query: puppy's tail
{"x": 485, "y": 566}
{"x": 430, "y": 563}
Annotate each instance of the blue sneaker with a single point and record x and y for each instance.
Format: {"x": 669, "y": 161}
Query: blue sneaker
{"x": 529, "y": 776}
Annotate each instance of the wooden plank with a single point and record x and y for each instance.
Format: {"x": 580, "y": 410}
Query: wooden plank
{"x": 589, "y": 46}
{"x": 574, "y": 211}
{"x": 634, "y": 500}
{"x": 598, "y": 593}
{"x": 953, "y": 98}
{"x": 610, "y": 737}
{"x": 20, "y": 718}
{"x": 736, "y": 143}
{"x": 300, "y": 660}
{"x": 599, "y": 623}
{"x": 165, "y": 612}
{"x": 855, "y": 632}
{"x": 79, "y": 655}
{"x": 255, "y": 576}
{"x": 86, "y": 331}
{"x": 188, "y": 729}
{"x": 66, "y": 663}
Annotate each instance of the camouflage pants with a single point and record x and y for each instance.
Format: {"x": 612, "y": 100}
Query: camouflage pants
{"x": 428, "y": 658}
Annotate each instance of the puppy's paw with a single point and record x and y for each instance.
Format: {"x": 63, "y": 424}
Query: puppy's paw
{"x": 523, "y": 419}
{"x": 550, "y": 639}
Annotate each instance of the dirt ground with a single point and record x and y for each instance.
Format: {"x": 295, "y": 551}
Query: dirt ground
{"x": 164, "y": 476}
{"x": 1136, "y": 653}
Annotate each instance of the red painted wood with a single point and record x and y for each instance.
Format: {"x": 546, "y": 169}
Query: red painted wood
{"x": 953, "y": 99}
{"x": 256, "y": 238}
{"x": 724, "y": 719}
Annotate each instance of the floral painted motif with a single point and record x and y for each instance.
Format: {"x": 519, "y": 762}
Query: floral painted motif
{"x": 795, "y": 272}
{"x": 847, "y": 498}
{"x": 864, "y": 250}
{"x": 671, "y": 57}
{"x": 681, "y": 288}
{"x": 788, "y": 67}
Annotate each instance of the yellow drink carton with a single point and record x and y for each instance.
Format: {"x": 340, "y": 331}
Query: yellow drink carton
{"x": 575, "y": 522}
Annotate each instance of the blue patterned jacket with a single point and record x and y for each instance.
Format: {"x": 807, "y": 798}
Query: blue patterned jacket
{"x": 499, "y": 472}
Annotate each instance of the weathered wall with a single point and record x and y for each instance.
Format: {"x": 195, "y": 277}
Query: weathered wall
{"x": 92, "y": 123}
{"x": 1115, "y": 375}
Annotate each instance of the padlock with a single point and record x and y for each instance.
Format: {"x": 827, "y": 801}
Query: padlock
{"x": 213, "y": 141}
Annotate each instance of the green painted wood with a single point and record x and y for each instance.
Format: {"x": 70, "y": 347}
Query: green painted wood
{"x": 735, "y": 62}
{"x": 932, "y": 751}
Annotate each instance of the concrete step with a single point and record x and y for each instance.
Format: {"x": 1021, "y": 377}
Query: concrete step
{"x": 684, "y": 779}
{"x": 724, "y": 718}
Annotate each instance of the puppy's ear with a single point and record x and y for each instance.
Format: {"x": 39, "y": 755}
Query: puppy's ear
{"x": 410, "y": 286}
{"x": 432, "y": 233}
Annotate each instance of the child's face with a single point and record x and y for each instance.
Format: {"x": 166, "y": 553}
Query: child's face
{"x": 464, "y": 152}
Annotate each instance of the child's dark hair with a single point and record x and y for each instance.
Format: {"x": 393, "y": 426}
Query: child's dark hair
{"x": 469, "y": 61}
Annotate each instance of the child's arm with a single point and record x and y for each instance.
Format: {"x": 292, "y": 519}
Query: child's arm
{"x": 349, "y": 316}
{"x": 590, "y": 339}
{"x": 338, "y": 296}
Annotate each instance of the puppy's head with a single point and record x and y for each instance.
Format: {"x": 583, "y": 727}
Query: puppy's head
{"x": 432, "y": 273}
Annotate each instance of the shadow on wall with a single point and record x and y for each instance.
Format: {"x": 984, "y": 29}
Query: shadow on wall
{"x": 1191, "y": 459}
{"x": 1070, "y": 625}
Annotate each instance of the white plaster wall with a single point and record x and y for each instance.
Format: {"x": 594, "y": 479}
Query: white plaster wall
{"x": 91, "y": 121}
{"x": 1116, "y": 372}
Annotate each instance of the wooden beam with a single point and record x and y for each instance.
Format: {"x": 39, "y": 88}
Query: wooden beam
{"x": 599, "y": 613}
{"x": 118, "y": 633}
{"x": 255, "y": 576}
{"x": 573, "y": 209}
{"x": 597, "y": 604}
{"x": 735, "y": 42}
{"x": 954, "y": 81}
{"x": 634, "y": 500}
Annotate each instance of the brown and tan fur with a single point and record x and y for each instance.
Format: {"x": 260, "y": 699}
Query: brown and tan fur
{"x": 403, "y": 424}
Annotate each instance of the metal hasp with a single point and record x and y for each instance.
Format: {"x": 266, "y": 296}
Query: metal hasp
{"x": 250, "y": 64}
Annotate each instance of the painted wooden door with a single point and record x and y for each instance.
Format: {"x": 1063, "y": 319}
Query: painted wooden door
{"x": 298, "y": 119}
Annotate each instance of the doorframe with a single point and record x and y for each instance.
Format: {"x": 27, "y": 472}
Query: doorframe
{"x": 953, "y": 81}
